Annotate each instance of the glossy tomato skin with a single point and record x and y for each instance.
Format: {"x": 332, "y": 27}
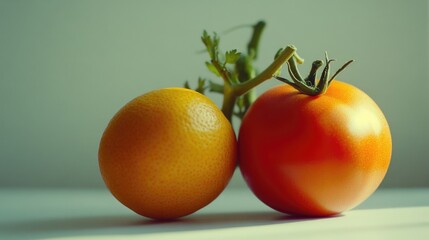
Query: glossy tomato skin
{"x": 314, "y": 155}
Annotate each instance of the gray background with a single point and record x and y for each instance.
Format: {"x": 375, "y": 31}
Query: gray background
{"x": 67, "y": 66}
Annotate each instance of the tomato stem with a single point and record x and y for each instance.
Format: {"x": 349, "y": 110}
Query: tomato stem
{"x": 239, "y": 83}
{"x": 308, "y": 85}
{"x": 238, "y": 86}
{"x": 233, "y": 90}
{"x": 245, "y": 70}
{"x": 268, "y": 73}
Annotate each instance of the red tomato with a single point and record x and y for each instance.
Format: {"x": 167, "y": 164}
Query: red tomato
{"x": 314, "y": 155}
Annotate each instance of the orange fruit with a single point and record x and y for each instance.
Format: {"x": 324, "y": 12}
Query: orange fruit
{"x": 167, "y": 153}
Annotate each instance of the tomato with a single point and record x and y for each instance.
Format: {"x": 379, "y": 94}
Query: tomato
{"x": 314, "y": 155}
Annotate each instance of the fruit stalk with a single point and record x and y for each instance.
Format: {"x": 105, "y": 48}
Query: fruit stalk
{"x": 233, "y": 90}
{"x": 239, "y": 84}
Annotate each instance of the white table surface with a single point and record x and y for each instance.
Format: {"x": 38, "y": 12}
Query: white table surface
{"x": 236, "y": 214}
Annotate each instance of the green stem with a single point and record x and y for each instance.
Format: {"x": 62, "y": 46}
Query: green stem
{"x": 233, "y": 91}
{"x": 245, "y": 70}
{"x": 243, "y": 80}
{"x": 268, "y": 73}
{"x": 245, "y": 73}
{"x": 229, "y": 99}
{"x": 252, "y": 46}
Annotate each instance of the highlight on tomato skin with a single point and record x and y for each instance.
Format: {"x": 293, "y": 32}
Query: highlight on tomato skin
{"x": 314, "y": 155}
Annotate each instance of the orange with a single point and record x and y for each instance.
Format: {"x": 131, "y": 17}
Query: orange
{"x": 167, "y": 153}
